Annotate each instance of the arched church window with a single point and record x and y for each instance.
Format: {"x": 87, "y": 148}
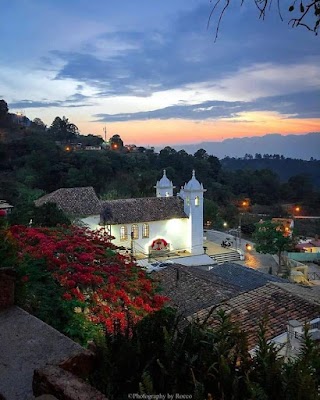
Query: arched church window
{"x": 123, "y": 233}
{"x": 135, "y": 231}
{"x": 188, "y": 200}
{"x": 145, "y": 230}
{"x": 197, "y": 201}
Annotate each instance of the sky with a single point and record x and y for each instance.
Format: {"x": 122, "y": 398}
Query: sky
{"x": 152, "y": 71}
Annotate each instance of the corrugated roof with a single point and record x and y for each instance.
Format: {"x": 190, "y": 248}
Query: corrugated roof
{"x": 78, "y": 201}
{"x": 146, "y": 209}
{"x": 243, "y": 277}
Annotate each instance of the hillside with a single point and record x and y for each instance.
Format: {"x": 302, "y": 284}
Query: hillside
{"x": 284, "y": 168}
{"x": 291, "y": 146}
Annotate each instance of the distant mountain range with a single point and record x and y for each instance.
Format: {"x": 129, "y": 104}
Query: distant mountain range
{"x": 291, "y": 146}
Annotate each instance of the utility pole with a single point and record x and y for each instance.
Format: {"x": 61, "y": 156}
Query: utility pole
{"x": 131, "y": 247}
{"x": 239, "y": 230}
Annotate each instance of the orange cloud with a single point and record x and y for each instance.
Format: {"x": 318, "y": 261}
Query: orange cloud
{"x": 175, "y": 131}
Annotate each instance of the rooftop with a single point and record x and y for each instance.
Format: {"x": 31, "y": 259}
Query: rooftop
{"x": 78, "y": 201}
{"x": 277, "y": 304}
{"x": 191, "y": 289}
{"x": 243, "y": 277}
{"x": 126, "y": 211}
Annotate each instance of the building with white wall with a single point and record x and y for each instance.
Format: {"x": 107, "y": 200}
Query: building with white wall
{"x": 150, "y": 225}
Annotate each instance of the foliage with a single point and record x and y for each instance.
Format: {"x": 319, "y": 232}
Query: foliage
{"x": 62, "y": 129}
{"x": 83, "y": 268}
{"x": 49, "y": 215}
{"x": 166, "y": 354}
{"x": 270, "y": 238}
{"x": 306, "y": 14}
{"x": 8, "y": 251}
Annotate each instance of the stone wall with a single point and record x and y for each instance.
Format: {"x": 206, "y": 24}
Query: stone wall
{"x": 7, "y": 284}
{"x": 66, "y": 380}
{"x": 63, "y": 385}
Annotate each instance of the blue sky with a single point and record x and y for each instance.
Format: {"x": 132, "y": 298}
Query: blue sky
{"x": 151, "y": 71}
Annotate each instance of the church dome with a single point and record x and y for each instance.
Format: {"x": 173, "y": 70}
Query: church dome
{"x": 164, "y": 181}
{"x": 193, "y": 184}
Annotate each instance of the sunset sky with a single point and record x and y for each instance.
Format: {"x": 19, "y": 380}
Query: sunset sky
{"x": 150, "y": 70}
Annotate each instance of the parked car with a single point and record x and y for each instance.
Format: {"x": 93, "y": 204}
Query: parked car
{"x": 158, "y": 265}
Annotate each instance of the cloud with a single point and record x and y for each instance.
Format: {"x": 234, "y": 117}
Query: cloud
{"x": 291, "y": 105}
{"x": 75, "y": 100}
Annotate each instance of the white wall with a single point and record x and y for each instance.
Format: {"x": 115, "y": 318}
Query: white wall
{"x": 175, "y": 231}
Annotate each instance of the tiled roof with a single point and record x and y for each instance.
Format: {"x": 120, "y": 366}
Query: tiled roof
{"x": 243, "y": 277}
{"x": 79, "y": 201}
{"x": 306, "y": 292}
{"x": 190, "y": 290}
{"x": 147, "y": 209}
{"x": 248, "y": 308}
{"x": 301, "y": 246}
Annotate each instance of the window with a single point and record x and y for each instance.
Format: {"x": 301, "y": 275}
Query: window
{"x": 197, "y": 201}
{"x": 123, "y": 233}
{"x": 188, "y": 201}
{"x": 135, "y": 231}
{"x": 145, "y": 230}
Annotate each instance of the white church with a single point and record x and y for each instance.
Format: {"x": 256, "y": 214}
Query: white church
{"x": 151, "y": 226}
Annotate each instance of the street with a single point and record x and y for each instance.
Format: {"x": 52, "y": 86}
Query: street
{"x": 261, "y": 262}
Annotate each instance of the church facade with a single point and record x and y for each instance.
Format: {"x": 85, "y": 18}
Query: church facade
{"x": 156, "y": 225}
{"x": 148, "y": 226}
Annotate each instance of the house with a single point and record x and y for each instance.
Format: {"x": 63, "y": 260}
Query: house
{"x": 310, "y": 246}
{"x": 245, "y": 294}
{"x": 286, "y": 224}
{"x": 153, "y": 225}
{"x": 5, "y": 208}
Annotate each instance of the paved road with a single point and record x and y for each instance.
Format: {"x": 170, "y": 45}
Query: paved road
{"x": 254, "y": 260}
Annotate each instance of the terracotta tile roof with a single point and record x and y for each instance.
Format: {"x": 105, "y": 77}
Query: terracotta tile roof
{"x": 308, "y": 293}
{"x": 248, "y": 308}
{"x": 78, "y": 201}
{"x": 146, "y": 209}
{"x": 190, "y": 289}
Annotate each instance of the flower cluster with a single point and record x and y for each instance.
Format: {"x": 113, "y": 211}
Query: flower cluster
{"x": 111, "y": 289}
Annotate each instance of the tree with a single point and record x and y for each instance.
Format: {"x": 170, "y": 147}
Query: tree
{"x": 3, "y": 113}
{"x": 201, "y": 154}
{"x": 62, "y": 129}
{"x": 3, "y": 109}
{"x": 116, "y": 143}
{"x": 306, "y": 14}
{"x": 270, "y": 238}
{"x": 38, "y": 125}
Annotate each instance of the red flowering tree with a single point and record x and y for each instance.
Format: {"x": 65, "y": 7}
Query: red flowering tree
{"x": 108, "y": 288}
